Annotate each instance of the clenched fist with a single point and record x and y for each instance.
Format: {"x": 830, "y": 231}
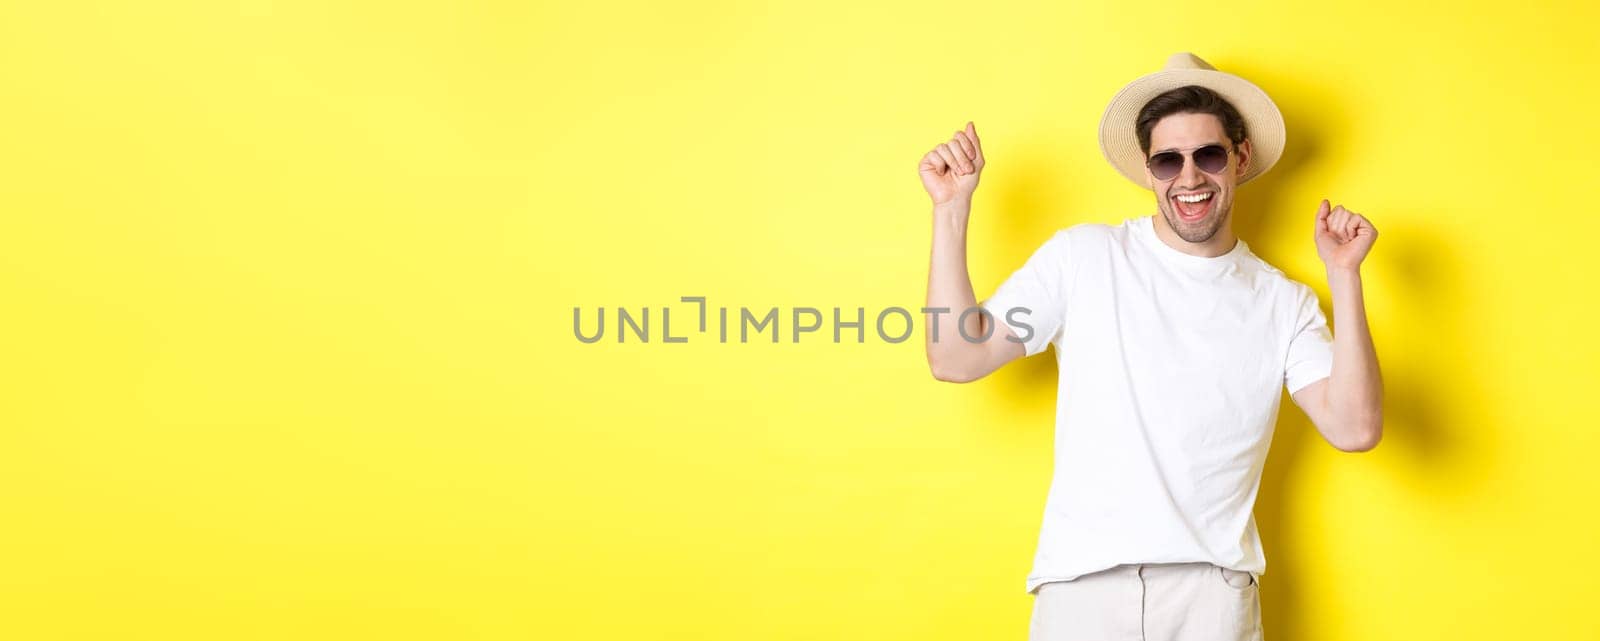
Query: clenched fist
{"x": 1343, "y": 237}
{"x": 950, "y": 171}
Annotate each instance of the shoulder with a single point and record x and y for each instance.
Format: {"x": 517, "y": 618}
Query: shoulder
{"x": 1087, "y": 243}
{"x": 1085, "y": 236}
{"x": 1287, "y": 291}
{"x": 1084, "y": 240}
{"x": 1071, "y": 246}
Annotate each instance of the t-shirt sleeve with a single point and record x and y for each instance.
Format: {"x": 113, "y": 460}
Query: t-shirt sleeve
{"x": 1311, "y": 347}
{"x": 1033, "y": 301}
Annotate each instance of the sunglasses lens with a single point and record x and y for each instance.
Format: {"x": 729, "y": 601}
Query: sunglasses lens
{"x": 1211, "y": 159}
{"x": 1166, "y": 164}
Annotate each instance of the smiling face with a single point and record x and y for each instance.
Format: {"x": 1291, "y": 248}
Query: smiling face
{"x": 1197, "y": 223}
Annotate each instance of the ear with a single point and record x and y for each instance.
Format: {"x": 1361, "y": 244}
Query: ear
{"x": 1244, "y": 157}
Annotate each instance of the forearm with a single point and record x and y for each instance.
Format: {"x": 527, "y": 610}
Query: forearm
{"x": 1355, "y": 387}
{"x": 950, "y": 355}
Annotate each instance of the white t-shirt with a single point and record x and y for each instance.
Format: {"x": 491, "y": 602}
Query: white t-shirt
{"x": 1171, "y": 366}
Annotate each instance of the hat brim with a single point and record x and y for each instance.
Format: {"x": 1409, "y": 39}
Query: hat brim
{"x": 1263, "y": 122}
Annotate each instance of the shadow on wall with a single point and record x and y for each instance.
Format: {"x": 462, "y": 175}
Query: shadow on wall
{"x": 1420, "y": 270}
{"x": 1021, "y": 200}
{"x": 1416, "y": 413}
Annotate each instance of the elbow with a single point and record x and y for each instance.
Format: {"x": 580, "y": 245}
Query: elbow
{"x": 1364, "y": 436}
{"x": 943, "y": 370}
{"x": 949, "y": 374}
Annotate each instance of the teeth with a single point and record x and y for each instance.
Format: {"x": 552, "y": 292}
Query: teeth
{"x": 1194, "y": 198}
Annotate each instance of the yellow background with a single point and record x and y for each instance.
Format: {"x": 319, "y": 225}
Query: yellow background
{"x": 288, "y": 296}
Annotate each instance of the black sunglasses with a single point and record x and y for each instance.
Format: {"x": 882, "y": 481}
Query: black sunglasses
{"x": 1166, "y": 165}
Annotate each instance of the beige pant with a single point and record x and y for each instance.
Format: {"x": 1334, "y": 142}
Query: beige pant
{"x": 1150, "y": 602}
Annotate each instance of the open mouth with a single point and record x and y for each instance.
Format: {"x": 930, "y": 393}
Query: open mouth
{"x": 1193, "y": 206}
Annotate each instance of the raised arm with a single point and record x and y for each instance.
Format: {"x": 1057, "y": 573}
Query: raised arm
{"x": 962, "y": 346}
{"x": 1347, "y": 406}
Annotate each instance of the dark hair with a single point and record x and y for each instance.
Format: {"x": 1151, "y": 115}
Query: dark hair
{"x": 1189, "y": 99}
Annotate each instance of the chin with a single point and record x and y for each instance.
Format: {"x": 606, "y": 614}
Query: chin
{"x": 1196, "y": 231}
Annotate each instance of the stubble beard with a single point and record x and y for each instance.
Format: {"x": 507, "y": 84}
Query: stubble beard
{"x": 1197, "y": 232}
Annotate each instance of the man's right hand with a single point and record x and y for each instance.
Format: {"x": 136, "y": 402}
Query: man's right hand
{"x": 951, "y": 170}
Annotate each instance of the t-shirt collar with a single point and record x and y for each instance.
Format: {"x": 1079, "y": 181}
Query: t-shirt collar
{"x": 1145, "y": 228}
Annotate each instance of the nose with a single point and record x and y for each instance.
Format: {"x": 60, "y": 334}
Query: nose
{"x": 1190, "y": 177}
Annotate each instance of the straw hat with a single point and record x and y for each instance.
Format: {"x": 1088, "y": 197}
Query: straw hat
{"x": 1262, "y": 121}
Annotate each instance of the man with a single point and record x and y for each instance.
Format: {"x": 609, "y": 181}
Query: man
{"x": 1172, "y": 340}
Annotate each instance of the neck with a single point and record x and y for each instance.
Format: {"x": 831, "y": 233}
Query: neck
{"x": 1220, "y": 243}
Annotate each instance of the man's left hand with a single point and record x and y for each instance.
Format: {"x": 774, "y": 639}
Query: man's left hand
{"x": 1343, "y": 237}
